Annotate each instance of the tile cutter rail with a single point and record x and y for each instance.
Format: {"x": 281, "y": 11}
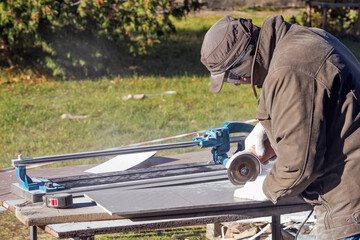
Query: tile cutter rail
{"x": 218, "y": 138}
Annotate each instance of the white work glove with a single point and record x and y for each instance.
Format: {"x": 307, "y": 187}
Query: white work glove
{"x": 256, "y": 139}
{"x": 253, "y": 190}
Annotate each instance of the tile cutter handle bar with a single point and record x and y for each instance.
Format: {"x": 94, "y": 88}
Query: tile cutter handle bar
{"x": 102, "y": 153}
{"x": 110, "y": 152}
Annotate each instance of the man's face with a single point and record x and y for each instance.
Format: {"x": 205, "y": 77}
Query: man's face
{"x": 240, "y": 71}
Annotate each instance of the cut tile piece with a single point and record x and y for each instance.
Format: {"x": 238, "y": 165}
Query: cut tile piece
{"x": 121, "y": 162}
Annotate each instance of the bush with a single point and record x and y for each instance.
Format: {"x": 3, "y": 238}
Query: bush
{"x": 80, "y": 38}
{"x": 341, "y": 21}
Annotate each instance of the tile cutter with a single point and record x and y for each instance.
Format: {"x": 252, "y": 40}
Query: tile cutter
{"x": 218, "y": 138}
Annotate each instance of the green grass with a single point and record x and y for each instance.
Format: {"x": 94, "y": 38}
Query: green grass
{"x": 191, "y": 233}
{"x": 30, "y": 122}
{"x": 30, "y": 110}
{"x": 12, "y": 229}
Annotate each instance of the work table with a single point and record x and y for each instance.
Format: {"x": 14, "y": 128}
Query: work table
{"x": 162, "y": 192}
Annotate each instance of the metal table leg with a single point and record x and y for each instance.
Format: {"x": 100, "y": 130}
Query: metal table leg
{"x": 33, "y": 233}
{"x": 275, "y": 226}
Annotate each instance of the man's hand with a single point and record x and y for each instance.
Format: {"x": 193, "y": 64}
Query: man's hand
{"x": 256, "y": 139}
{"x": 252, "y": 190}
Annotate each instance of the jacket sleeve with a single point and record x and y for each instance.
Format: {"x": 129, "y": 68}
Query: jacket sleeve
{"x": 291, "y": 108}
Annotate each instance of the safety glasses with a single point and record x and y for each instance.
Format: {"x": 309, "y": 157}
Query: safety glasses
{"x": 233, "y": 81}
{"x": 241, "y": 68}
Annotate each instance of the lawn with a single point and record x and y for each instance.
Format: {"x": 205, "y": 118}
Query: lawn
{"x": 31, "y": 106}
{"x": 31, "y": 109}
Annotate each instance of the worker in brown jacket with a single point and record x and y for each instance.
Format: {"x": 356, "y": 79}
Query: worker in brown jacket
{"x": 309, "y": 109}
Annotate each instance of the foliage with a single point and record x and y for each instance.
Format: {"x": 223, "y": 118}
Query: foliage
{"x": 255, "y": 9}
{"x": 341, "y": 21}
{"x": 79, "y": 38}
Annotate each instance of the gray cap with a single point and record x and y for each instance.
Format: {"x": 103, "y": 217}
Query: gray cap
{"x": 223, "y": 44}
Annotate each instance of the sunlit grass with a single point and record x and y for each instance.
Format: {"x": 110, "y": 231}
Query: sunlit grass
{"x": 31, "y": 108}
{"x": 31, "y": 123}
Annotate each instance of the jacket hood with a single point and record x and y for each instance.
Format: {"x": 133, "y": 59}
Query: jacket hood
{"x": 273, "y": 30}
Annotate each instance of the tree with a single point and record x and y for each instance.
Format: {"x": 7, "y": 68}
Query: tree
{"x": 340, "y": 20}
{"x": 42, "y": 32}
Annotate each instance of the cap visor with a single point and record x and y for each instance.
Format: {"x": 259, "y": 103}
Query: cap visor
{"x": 217, "y": 82}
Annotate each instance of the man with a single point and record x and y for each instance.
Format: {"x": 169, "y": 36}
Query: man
{"x": 309, "y": 108}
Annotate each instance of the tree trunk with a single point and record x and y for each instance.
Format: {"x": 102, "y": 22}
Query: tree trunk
{"x": 5, "y": 51}
{"x": 308, "y": 7}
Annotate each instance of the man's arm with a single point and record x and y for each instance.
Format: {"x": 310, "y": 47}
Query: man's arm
{"x": 296, "y": 128}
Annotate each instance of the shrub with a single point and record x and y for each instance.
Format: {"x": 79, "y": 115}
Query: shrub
{"x": 341, "y": 21}
{"x": 80, "y": 38}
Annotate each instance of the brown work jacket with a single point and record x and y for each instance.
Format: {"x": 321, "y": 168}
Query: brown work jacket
{"x": 310, "y": 107}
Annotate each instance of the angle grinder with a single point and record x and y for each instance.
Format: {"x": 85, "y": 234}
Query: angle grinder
{"x": 246, "y": 165}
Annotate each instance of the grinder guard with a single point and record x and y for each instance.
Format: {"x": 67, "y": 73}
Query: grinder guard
{"x": 243, "y": 167}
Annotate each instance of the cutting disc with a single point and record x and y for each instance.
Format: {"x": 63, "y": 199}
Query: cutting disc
{"x": 243, "y": 167}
